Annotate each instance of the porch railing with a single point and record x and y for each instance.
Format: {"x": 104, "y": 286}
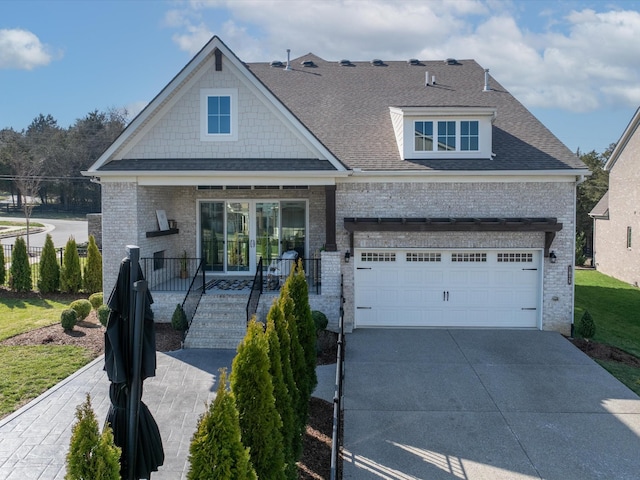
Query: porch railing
{"x": 170, "y": 274}
{"x": 256, "y": 291}
{"x": 194, "y": 294}
{"x": 337, "y": 397}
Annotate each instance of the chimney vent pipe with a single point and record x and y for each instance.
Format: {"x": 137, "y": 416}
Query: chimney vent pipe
{"x": 486, "y": 81}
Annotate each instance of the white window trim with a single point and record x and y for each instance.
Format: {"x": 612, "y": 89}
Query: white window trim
{"x": 205, "y": 136}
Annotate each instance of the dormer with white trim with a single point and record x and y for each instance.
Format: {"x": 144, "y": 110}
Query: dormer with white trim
{"x": 443, "y": 132}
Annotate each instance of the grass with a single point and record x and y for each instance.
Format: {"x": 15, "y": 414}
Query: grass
{"x": 27, "y": 371}
{"x": 8, "y": 223}
{"x": 615, "y": 308}
{"x": 19, "y": 315}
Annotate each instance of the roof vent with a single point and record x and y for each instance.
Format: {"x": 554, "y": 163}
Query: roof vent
{"x": 288, "y": 67}
{"x": 376, "y": 62}
{"x": 345, "y": 63}
{"x": 451, "y": 61}
{"x": 413, "y": 61}
{"x": 307, "y": 63}
{"x": 486, "y": 88}
{"x": 277, "y": 63}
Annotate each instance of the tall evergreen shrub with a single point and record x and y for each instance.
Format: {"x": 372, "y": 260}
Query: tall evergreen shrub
{"x": 260, "y": 421}
{"x": 20, "y": 269}
{"x": 216, "y": 450}
{"x": 49, "y": 280}
{"x": 281, "y": 393}
{"x": 92, "y": 275}
{"x": 91, "y": 455}
{"x": 70, "y": 273}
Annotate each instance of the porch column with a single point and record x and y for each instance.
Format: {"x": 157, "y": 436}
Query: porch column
{"x": 330, "y": 236}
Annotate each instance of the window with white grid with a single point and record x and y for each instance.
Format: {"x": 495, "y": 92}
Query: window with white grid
{"x": 378, "y": 257}
{"x": 468, "y": 257}
{"x": 515, "y": 257}
{"x": 423, "y": 257}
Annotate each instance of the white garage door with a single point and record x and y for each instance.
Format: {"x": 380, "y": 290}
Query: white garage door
{"x": 447, "y": 288}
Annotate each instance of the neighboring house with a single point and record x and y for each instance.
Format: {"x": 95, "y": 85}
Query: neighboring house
{"x": 432, "y": 196}
{"x": 616, "y": 217}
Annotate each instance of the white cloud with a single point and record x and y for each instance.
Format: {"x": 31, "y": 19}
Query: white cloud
{"x": 22, "y": 50}
{"x": 574, "y": 60}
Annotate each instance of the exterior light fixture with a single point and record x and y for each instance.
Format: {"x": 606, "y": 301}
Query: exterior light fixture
{"x": 552, "y": 257}
{"x": 347, "y": 256}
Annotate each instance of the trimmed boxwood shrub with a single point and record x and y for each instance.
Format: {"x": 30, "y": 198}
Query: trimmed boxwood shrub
{"x": 96, "y": 300}
{"x": 320, "y": 320}
{"x": 68, "y": 319}
{"x": 103, "y": 314}
{"x": 82, "y": 307}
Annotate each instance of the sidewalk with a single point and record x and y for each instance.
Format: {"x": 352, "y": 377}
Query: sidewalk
{"x": 35, "y": 439}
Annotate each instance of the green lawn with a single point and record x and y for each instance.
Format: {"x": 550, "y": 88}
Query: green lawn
{"x": 8, "y": 223}
{"x": 26, "y": 372}
{"x": 615, "y": 308}
{"x": 21, "y": 315}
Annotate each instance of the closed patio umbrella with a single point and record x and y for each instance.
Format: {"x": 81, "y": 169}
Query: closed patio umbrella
{"x": 130, "y": 357}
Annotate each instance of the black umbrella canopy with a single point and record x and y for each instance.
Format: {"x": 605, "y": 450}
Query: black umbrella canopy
{"x": 127, "y": 412}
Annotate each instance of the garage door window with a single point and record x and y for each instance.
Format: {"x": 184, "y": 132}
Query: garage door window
{"x": 515, "y": 257}
{"x": 423, "y": 257}
{"x": 468, "y": 257}
{"x": 378, "y": 257}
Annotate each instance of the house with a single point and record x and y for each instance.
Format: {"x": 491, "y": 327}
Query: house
{"x": 432, "y": 197}
{"x": 616, "y": 222}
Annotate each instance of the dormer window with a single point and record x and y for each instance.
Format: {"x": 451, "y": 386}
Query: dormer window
{"x": 443, "y": 132}
{"x": 218, "y": 114}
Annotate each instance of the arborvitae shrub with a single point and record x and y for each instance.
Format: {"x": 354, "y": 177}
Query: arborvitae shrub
{"x": 587, "y": 325}
{"x": 283, "y": 399}
{"x": 70, "y": 273}
{"x": 82, "y": 307}
{"x": 179, "y": 319}
{"x": 91, "y": 455}
{"x": 92, "y": 275}
{"x": 3, "y": 272}
{"x": 20, "y": 268}
{"x": 298, "y": 362}
{"x": 96, "y": 300}
{"x": 216, "y": 451}
{"x": 68, "y": 319}
{"x": 49, "y": 280}
{"x": 103, "y": 314}
{"x": 260, "y": 421}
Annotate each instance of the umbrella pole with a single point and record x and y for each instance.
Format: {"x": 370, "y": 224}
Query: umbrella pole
{"x": 136, "y": 305}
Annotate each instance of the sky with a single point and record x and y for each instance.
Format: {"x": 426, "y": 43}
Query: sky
{"x": 574, "y": 64}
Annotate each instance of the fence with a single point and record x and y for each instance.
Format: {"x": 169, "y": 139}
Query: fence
{"x": 34, "y": 260}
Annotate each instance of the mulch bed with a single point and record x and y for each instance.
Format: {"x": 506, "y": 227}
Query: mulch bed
{"x": 600, "y": 351}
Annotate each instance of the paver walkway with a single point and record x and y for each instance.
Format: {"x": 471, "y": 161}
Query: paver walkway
{"x": 35, "y": 439}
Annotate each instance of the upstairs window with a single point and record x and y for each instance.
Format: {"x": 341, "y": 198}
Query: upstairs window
{"x": 219, "y": 115}
{"x": 452, "y": 136}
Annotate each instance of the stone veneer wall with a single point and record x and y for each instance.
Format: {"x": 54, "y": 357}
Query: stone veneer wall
{"x": 491, "y": 199}
{"x": 94, "y": 227}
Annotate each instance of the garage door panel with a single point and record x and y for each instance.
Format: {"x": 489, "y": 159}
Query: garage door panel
{"x": 446, "y": 288}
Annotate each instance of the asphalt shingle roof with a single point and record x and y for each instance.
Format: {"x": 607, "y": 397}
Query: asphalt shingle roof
{"x": 219, "y": 164}
{"x": 347, "y": 109}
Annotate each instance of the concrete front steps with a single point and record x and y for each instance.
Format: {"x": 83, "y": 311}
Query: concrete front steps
{"x": 219, "y": 322}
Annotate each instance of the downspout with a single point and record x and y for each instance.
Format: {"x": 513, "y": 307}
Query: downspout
{"x": 579, "y": 180}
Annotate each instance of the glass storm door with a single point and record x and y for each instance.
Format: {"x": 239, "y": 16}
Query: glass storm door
{"x": 294, "y": 221}
{"x": 267, "y": 232}
{"x": 212, "y": 235}
{"x": 238, "y": 237}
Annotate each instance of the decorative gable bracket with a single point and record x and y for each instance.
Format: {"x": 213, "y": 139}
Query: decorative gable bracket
{"x": 548, "y": 225}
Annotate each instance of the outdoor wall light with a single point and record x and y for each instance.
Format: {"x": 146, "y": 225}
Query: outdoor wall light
{"x": 347, "y": 256}
{"x": 552, "y": 257}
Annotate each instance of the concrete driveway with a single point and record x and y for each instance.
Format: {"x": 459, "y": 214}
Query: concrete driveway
{"x": 483, "y": 404}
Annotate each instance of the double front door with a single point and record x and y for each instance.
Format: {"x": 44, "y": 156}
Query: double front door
{"x": 235, "y": 234}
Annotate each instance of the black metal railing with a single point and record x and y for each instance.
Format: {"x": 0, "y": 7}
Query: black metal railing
{"x": 194, "y": 294}
{"x": 256, "y": 291}
{"x": 170, "y": 274}
{"x": 337, "y": 398}
{"x": 279, "y": 268}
